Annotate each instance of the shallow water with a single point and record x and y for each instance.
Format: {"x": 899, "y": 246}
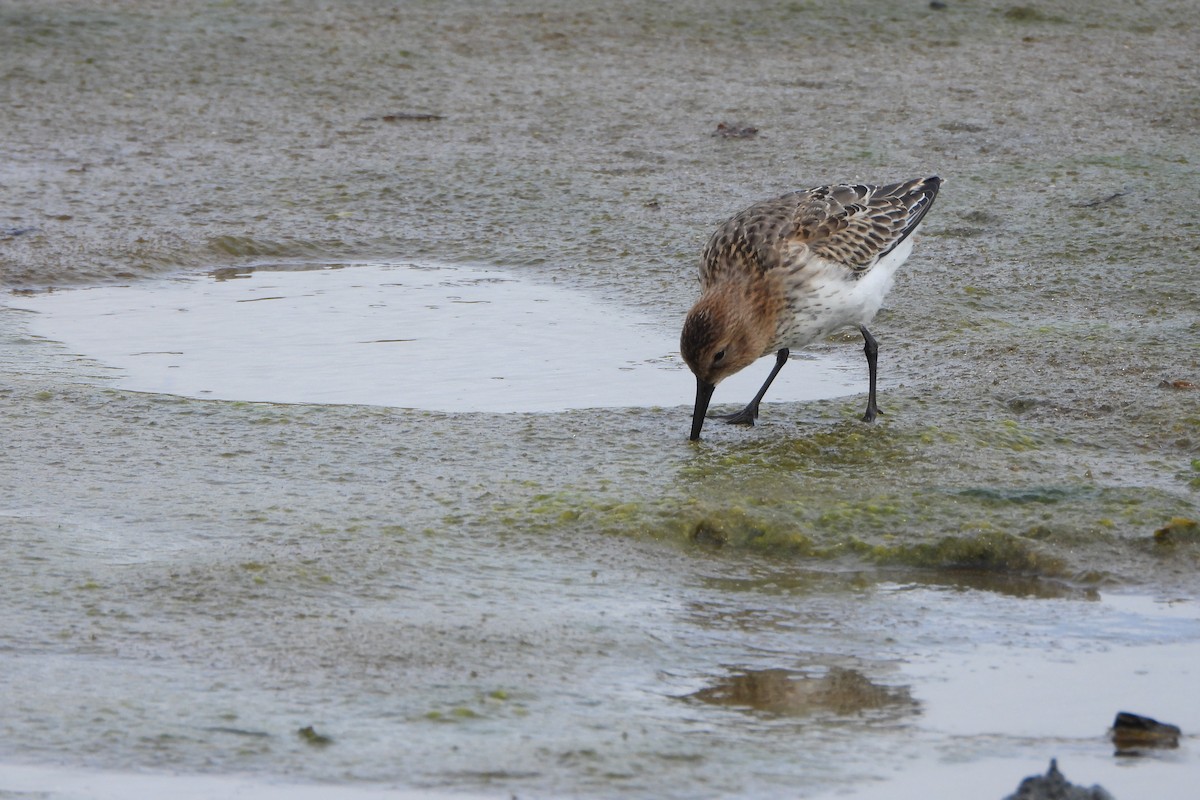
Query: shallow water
{"x": 534, "y": 667}
{"x": 582, "y": 603}
{"x": 423, "y": 336}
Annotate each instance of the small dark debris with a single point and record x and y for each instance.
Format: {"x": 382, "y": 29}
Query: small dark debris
{"x": 1029, "y": 14}
{"x": 735, "y": 131}
{"x": 1101, "y": 201}
{"x": 1020, "y": 405}
{"x": 12, "y": 233}
{"x": 960, "y": 232}
{"x": 231, "y": 273}
{"x": 980, "y": 216}
{"x": 958, "y": 126}
{"x": 653, "y": 205}
{"x": 1132, "y": 733}
{"x": 1179, "y": 385}
{"x": 239, "y": 732}
{"x": 937, "y": 5}
{"x": 407, "y": 116}
{"x": 1054, "y": 786}
{"x": 312, "y": 737}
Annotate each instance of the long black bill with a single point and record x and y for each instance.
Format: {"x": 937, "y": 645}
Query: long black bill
{"x": 703, "y": 395}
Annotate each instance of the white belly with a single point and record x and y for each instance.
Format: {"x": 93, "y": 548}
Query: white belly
{"x": 830, "y": 299}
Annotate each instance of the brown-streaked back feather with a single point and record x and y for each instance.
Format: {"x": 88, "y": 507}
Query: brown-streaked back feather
{"x": 856, "y": 225}
{"x": 850, "y": 224}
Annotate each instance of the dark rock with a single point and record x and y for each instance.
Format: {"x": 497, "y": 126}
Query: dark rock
{"x": 1053, "y": 786}
{"x": 1132, "y": 733}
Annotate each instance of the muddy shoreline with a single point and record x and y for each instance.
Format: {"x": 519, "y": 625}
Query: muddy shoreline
{"x": 1040, "y": 445}
{"x": 1043, "y": 313}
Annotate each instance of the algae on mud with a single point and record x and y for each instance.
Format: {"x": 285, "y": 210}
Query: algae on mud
{"x": 593, "y": 564}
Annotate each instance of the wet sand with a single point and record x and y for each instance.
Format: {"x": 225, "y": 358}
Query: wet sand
{"x": 532, "y": 603}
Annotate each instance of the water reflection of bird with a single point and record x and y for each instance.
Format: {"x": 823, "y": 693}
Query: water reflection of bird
{"x": 789, "y": 271}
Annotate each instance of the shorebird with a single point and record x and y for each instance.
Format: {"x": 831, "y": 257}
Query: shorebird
{"x": 789, "y": 271}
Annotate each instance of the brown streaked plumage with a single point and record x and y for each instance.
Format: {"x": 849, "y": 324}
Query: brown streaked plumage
{"x": 789, "y": 271}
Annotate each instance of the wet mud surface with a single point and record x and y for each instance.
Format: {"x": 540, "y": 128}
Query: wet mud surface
{"x": 584, "y": 603}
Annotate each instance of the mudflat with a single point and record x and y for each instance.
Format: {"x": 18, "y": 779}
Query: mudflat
{"x": 545, "y": 603}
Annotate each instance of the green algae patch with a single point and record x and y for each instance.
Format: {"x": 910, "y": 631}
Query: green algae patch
{"x": 1037, "y": 495}
{"x": 825, "y": 451}
{"x": 309, "y": 736}
{"x": 757, "y": 522}
{"x": 792, "y": 517}
{"x": 495, "y": 704}
{"x": 1007, "y": 435}
{"x": 456, "y": 714}
{"x": 552, "y": 511}
{"x": 740, "y": 529}
{"x": 991, "y": 551}
{"x": 882, "y": 513}
{"x": 1180, "y": 530}
{"x": 1003, "y": 496}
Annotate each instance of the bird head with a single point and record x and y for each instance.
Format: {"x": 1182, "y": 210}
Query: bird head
{"x": 720, "y": 337}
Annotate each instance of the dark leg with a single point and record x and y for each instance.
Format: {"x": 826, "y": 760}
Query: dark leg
{"x": 871, "y": 348}
{"x": 750, "y": 413}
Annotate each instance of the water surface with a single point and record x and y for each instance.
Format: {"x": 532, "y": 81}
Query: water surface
{"x": 405, "y": 335}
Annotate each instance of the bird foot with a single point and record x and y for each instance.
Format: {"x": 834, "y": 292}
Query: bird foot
{"x": 744, "y": 417}
{"x": 871, "y": 413}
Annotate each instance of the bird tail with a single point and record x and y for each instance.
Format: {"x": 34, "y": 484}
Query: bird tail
{"x": 917, "y": 195}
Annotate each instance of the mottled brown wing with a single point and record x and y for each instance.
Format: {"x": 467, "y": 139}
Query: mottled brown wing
{"x": 856, "y": 225}
{"x": 853, "y": 225}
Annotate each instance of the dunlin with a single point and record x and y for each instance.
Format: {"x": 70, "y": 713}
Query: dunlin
{"x": 789, "y": 271}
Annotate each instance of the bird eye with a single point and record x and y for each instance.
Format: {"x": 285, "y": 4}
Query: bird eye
{"x": 719, "y": 357}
